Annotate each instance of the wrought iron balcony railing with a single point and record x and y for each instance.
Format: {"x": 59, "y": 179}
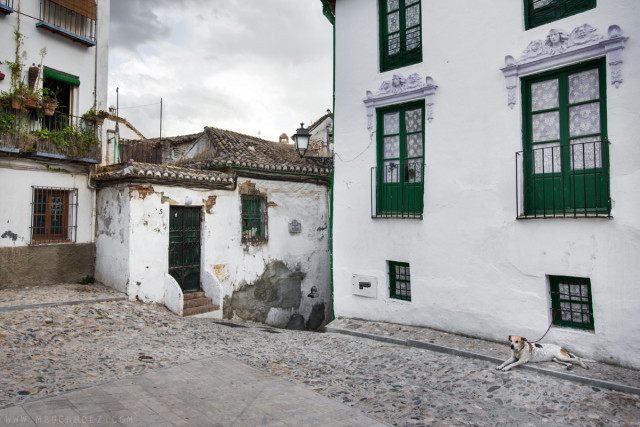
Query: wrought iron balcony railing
{"x": 76, "y": 22}
{"x": 564, "y": 180}
{"x": 397, "y": 189}
{"x": 58, "y": 136}
{"x": 6, "y": 6}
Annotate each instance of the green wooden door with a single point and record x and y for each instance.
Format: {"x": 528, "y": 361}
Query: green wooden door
{"x": 400, "y": 177}
{"x": 184, "y": 246}
{"x": 566, "y": 151}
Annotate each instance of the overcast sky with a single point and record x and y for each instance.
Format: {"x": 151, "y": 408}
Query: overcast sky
{"x": 250, "y": 66}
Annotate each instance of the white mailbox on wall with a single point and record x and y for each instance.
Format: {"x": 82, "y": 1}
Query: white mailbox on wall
{"x": 366, "y": 286}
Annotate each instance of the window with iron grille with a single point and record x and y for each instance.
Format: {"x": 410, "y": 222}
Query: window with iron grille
{"x": 400, "y": 33}
{"x": 571, "y": 302}
{"x": 565, "y": 159}
{"x": 539, "y": 12}
{"x": 399, "y": 280}
{"x": 54, "y": 213}
{"x": 254, "y": 219}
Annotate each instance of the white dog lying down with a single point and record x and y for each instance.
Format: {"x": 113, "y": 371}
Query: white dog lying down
{"x": 522, "y": 351}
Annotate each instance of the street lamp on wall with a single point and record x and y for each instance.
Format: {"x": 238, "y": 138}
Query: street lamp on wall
{"x": 301, "y": 138}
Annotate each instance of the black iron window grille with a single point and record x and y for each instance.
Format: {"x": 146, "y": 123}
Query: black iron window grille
{"x": 254, "y": 219}
{"x": 54, "y": 215}
{"x": 539, "y": 12}
{"x": 571, "y": 302}
{"x": 399, "y": 280}
{"x": 397, "y": 189}
{"x": 564, "y": 181}
{"x": 74, "y": 19}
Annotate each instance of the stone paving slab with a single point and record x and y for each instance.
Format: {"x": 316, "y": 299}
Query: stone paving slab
{"x": 214, "y": 391}
{"x": 598, "y": 374}
{"x": 97, "y": 344}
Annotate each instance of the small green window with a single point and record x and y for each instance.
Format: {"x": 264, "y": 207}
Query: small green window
{"x": 540, "y": 12}
{"x": 571, "y": 303}
{"x": 254, "y": 224}
{"x": 400, "y": 33}
{"x": 399, "y": 280}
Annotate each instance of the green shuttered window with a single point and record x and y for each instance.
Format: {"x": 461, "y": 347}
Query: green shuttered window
{"x": 400, "y": 33}
{"x": 571, "y": 301}
{"x": 399, "y": 280}
{"x": 540, "y": 12}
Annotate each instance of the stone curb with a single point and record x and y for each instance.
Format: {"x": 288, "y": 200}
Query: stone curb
{"x": 54, "y": 304}
{"x": 463, "y": 353}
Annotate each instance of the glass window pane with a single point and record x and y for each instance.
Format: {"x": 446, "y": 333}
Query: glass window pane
{"x": 393, "y": 22}
{"x": 547, "y": 160}
{"x": 392, "y": 5}
{"x": 413, "y": 16}
{"x": 391, "y": 171}
{"x": 544, "y": 95}
{"x": 413, "y": 38}
{"x": 391, "y": 123}
{"x": 584, "y": 119}
{"x": 546, "y": 126}
{"x": 584, "y": 86}
{"x": 414, "y": 170}
{"x": 391, "y": 147}
{"x": 414, "y": 145}
{"x": 413, "y": 120}
{"x": 394, "y": 44}
{"x": 540, "y": 3}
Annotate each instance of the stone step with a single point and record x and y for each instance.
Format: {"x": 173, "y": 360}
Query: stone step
{"x": 196, "y": 302}
{"x": 199, "y": 310}
{"x": 193, "y": 295}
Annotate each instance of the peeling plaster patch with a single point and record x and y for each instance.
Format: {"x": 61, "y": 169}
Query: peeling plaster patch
{"x": 271, "y": 205}
{"x": 209, "y": 203}
{"x": 221, "y": 272}
{"x": 10, "y": 235}
{"x": 166, "y": 199}
{"x": 247, "y": 187}
{"x": 143, "y": 190}
{"x": 278, "y": 287}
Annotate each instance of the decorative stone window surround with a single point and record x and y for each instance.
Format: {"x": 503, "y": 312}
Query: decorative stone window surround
{"x": 399, "y": 90}
{"x": 560, "y": 49}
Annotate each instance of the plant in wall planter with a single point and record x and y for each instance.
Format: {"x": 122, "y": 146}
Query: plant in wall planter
{"x": 49, "y": 102}
{"x": 95, "y": 117}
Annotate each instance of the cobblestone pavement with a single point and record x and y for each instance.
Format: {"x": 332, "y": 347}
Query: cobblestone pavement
{"x": 47, "y": 351}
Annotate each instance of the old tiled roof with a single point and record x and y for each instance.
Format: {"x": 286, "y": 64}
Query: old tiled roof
{"x": 152, "y": 173}
{"x": 233, "y": 149}
{"x": 320, "y": 120}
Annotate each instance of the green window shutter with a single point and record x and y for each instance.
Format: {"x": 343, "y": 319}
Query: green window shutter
{"x": 253, "y": 219}
{"x": 565, "y": 143}
{"x": 57, "y": 75}
{"x": 540, "y": 12}
{"x": 400, "y": 33}
{"x": 571, "y": 302}
{"x": 400, "y": 169}
{"x": 399, "y": 280}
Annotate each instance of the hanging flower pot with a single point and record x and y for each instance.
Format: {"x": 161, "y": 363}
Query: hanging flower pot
{"x": 49, "y": 106}
{"x": 34, "y": 71}
{"x": 30, "y": 102}
{"x": 16, "y": 103}
{"x": 1, "y": 76}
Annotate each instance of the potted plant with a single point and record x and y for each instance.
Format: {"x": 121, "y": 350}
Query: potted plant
{"x": 49, "y": 102}
{"x": 95, "y": 116}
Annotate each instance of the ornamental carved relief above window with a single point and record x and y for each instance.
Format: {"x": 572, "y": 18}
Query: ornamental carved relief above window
{"x": 561, "y": 48}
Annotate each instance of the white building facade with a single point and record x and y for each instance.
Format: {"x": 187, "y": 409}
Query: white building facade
{"x": 486, "y": 169}
{"x": 48, "y": 213}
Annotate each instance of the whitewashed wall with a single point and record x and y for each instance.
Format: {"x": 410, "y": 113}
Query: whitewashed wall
{"x": 18, "y": 177}
{"x": 474, "y": 268}
{"x": 132, "y": 249}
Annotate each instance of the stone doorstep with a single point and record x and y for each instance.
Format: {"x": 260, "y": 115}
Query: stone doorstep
{"x": 193, "y": 295}
{"x": 196, "y": 302}
{"x": 199, "y": 310}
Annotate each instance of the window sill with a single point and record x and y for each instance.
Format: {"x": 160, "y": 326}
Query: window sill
{"x": 570, "y": 215}
{"x": 397, "y": 216}
{"x": 65, "y": 33}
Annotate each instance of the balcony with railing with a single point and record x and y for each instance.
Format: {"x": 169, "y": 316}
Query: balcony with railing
{"x": 31, "y": 132}
{"x": 73, "y": 19}
{"x": 397, "y": 189}
{"x": 6, "y": 6}
{"x": 564, "y": 180}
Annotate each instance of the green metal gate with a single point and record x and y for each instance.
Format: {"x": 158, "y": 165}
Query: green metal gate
{"x": 184, "y": 246}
